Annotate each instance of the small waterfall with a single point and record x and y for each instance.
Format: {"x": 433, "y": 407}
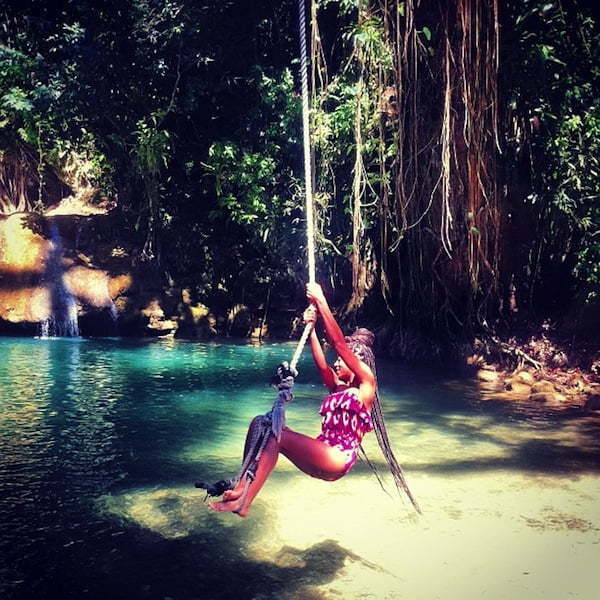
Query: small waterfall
{"x": 114, "y": 312}
{"x": 62, "y": 321}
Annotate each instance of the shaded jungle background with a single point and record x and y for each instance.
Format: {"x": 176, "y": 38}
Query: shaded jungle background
{"x": 455, "y": 146}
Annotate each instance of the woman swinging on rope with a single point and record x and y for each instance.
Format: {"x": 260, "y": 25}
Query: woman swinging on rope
{"x": 351, "y": 410}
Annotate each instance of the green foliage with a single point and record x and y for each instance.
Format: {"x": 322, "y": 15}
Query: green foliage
{"x": 254, "y": 179}
{"x": 243, "y": 181}
{"x": 152, "y": 145}
{"x": 22, "y": 98}
{"x": 572, "y": 182}
{"x": 554, "y": 95}
{"x": 187, "y": 111}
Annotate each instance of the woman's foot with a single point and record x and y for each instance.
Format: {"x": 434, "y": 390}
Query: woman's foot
{"x": 229, "y": 506}
{"x": 243, "y": 512}
{"x": 234, "y": 494}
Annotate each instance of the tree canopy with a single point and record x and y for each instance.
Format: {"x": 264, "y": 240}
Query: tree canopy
{"x": 455, "y": 146}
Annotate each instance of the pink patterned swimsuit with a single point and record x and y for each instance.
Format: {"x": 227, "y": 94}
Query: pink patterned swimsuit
{"x": 345, "y": 422}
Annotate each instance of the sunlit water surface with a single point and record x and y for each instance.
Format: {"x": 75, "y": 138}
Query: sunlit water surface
{"x": 101, "y": 441}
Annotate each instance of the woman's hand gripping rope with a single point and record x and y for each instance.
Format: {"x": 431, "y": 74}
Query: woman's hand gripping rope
{"x": 310, "y": 315}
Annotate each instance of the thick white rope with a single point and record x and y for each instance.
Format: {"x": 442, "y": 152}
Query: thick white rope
{"x": 301, "y": 343}
{"x": 274, "y": 421}
{"x": 310, "y": 232}
{"x": 278, "y": 410}
{"x": 310, "y": 235}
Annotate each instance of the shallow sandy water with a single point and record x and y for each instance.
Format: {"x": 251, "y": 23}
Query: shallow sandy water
{"x": 487, "y": 530}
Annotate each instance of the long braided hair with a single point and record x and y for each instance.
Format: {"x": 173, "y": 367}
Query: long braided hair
{"x": 361, "y": 343}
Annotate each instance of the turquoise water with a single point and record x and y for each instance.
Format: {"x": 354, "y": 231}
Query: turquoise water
{"x": 101, "y": 441}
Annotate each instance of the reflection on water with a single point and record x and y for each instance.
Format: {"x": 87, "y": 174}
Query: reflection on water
{"x": 101, "y": 441}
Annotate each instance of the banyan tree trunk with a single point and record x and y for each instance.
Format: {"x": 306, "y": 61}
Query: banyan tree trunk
{"x": 440, "y": 221}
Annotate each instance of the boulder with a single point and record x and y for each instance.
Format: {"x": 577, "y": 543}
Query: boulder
{"x": 23, "y": 250}
{"x": 23, "y": 256}
{"x": 516, "y": 386}
{"x": 91, "y": 287}
{"x": 542, "y": 386}
{"x": 156, "y": 324}
{"x": 118, "y": 284}
{"x": 548, "y": 397}
{"x": 161, "y": 327}
{"x": 487, "y": 375}
{"x": 523, "y": 377}
{"x": 153, "y": 310}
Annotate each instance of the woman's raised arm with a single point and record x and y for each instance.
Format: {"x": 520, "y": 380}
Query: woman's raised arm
{"x": 336, "y": 337}
{"x": 325, "y": 371}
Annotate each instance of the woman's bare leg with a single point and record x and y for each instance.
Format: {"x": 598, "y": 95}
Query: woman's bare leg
{"x": 266, "y": 464}
{"x": 311, "y": 456}
{"x": 236, "y": 492}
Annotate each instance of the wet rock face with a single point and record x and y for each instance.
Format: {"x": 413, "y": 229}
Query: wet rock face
{"x": 66, "y": 273}
{"x": 23, "y": 258}
{"x": 63, "y": 275}
{"x": 43, "y": 279}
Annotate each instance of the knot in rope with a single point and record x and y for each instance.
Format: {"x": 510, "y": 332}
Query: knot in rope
{"x": 285, "y": 383}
